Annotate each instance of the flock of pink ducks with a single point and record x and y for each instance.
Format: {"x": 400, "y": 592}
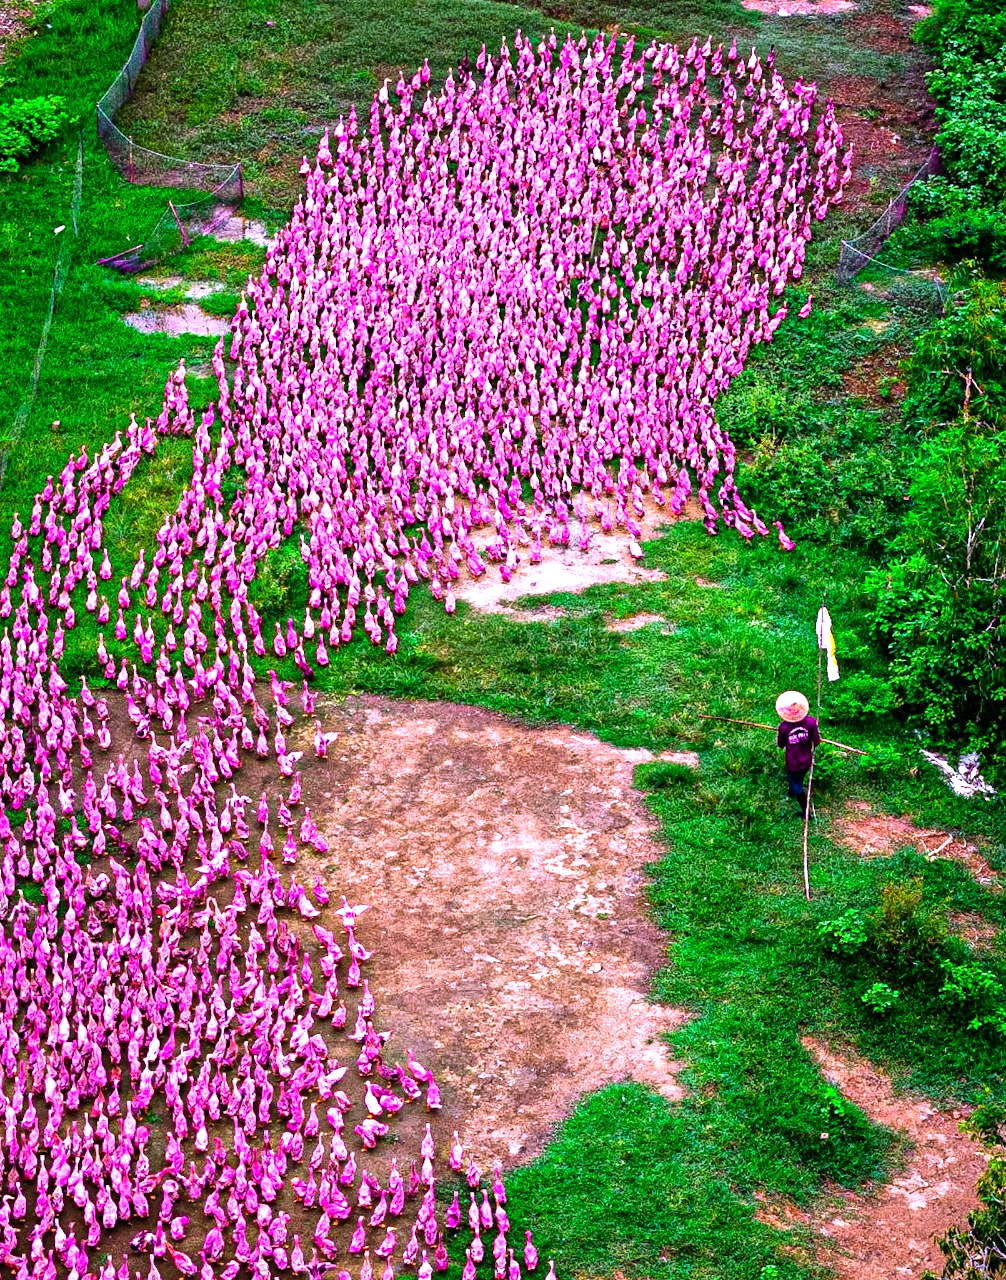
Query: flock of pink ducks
{"x": 509, "y": 303}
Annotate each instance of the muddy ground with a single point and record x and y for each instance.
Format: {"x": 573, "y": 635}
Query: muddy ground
{"x": 876, "y": 835}
{"x": 893, "y": 1233}
{"x": 609, "y": 558}
{"x": 15, "y": 24}
{"x": 506, "y": 868}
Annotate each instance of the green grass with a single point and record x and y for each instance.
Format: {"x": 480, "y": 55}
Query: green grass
{"x": 629, "y": 1182}
{"x": 258, "y": 80}
{"x": 97, "y": 370}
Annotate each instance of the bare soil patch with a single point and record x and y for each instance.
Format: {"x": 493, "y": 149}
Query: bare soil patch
{"x": 506, "y": 868}
{"x": 608, "y": 559}
{"x": 876, "y": 379}
{"x": 545, "y": 613}
{"x": 877, "y": 835}
{"x": 889, "y": 122}
{"x": 511, "y": 942}
{"x": 15, "y": 24}
{"x": 238, "y": 227}
{"x": 973, "y": 928}
{"x": 894, "y": 1231}
{"x": 188, "y": 317}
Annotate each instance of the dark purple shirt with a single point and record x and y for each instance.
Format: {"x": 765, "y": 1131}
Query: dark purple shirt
{"x": 799, "y": 739}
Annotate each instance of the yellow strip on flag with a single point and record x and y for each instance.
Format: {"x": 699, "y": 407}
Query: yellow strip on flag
{"x": 826, "y": 641}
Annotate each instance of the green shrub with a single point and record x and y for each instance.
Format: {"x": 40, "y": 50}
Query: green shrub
{"x": 967, "y": 39}
{"x": 844, "y": 936}
{"x": 856, "y": 495}
{"x": 939, "y": 608}
{"x": 971, "y": 336}
{"x": 27, "y": 124}
{"x": 860, "y": 694}
{"x": 950, "y": 224}
{"x": 829, "y": 767}
{"x": 760, "y": 412}
{"x": 881, "y": 760}
{"x": 905, "y": 931}
{"x": 880, "y": 998}
{"x": 975, "y": 994}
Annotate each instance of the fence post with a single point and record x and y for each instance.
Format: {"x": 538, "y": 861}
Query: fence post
{"x": 174, "y": 212}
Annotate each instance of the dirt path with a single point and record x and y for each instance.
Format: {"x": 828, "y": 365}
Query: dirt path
{"x": 505, "y": 866}
{"x": 893, "y": 1234}
{"x": 608, "y": 558}
{"x": 877, "y": 835}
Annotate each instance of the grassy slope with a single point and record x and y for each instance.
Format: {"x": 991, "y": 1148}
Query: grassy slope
{"x": 629, "y": 1183}
{"x": 259, "y": 79}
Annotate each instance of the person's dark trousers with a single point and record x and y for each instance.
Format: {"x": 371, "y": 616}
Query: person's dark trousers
{"x": 796, "y": 789}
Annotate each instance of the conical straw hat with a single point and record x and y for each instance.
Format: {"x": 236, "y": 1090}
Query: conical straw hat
{"x": 791, "y": 706}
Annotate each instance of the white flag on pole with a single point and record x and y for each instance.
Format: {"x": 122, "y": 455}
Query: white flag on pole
{"x": 826, "y": 641}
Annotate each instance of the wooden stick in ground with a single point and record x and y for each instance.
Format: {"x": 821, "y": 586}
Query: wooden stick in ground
{"x": 756, "y": 724}
{"x": 185, "y": 239}
{"x": 806, "y": 826}
{"x": 810, "y": 775}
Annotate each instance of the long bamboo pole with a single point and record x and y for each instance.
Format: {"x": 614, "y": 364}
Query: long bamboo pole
{"x": 756, "y": 724}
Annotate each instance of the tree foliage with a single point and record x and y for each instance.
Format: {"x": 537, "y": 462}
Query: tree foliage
{"x": 968, "y": 42}
{"x": 941, "y": 599}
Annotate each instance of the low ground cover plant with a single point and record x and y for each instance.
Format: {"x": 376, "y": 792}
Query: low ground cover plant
{"x": 960, "y": 208}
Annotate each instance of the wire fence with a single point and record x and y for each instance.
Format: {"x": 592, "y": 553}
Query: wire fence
{"x": 222, "y": 184}
{"x": 858, "y": 253}
{"x": 66, "y": 249}
{"x": 176, "y": 228}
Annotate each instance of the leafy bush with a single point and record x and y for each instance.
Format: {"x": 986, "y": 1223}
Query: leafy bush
{"x": 951, "y": 224}
{"x": 27, "y": 124}
{"x": 880, "y": 998}
{"x": 881, "y": 760}
{"x": 844, "y": 936}
{"x": 758, "y": 411}
{"x": 856, "y": 496}
{"x": 974, "y": 993}
{"x": 968, "y": 42}
{"x": 860, "y": 694}
{"x": 829, "y": 767}
{"x": 940, "y": 607}
{"x": 972, "y": 337}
